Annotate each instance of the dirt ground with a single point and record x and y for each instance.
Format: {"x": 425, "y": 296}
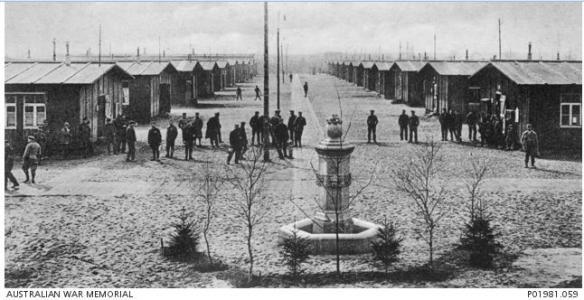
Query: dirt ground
{"x": 98, "y": 222}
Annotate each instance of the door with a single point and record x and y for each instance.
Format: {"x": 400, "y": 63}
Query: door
{"x": 164, "y": 98}
{"x": 101, "y": 105}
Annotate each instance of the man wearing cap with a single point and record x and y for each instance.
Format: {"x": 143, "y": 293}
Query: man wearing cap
{"x": 274, "y": 121}
{"x": 218, "y": 125}
{"x": 414, "y": 122}
{"x": 291, "y": 124}
{"x": 131, "y": 140}
{"x": 371, "y": 127}
{"x": 154, "y": 141}
{"x": 235, "y": 143}
{"x": 211, "y": 132}
{"x": 305, "y": 87}
{"x": 238, "y": 94}
{"x": 403, "y": 122}
{"x": 530, "y": 144}
{"x": 171, "y": 134}
{"x": 65, "y": 139}
{"x": 298, "y": 129}
{"x": 109, "y": 133}
{"x": 85, "y": 135}
{"x": 121, "y": 127}
{"x": 258, "y": 94}
{"x": 197, "y": 130}
{"x": 188, "y": 138}
{"x": 30, "y": 158}
{"x": 256, "y": 128}
{"x": 243, "y": 139}
{"x": 8, "y": 164}
{"x": 281, "y": 138}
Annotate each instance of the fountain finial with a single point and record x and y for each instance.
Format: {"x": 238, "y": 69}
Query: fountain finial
{"x": 334, "y": 130}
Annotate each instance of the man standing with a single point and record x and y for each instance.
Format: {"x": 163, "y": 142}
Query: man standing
{"x": 171, "y": 134}
{"x": 65, "y": 139}
{"x": 291, "y": 124}
{"x": 243, "y": 138}
{"x": 238, "y": 95}
{"x": 154, "y": 141}
{"x": 274, "y": 121}
{"x": 458, "y": 120}
{"x": 449, "y": 120}
{"x": 85, "y": 135}
{"x": 530, "y": 145}
{"x": 211, "y": 132}
{"x": 281, "y": 135}
{"x": 8, "y": 165}
{"x": 414, "y": 122}
{"x": 187, "y": 135}
{"x": 298, "y": 129}
{"x": 258, "y": 94}
{"x": 256, "y": 128}
{"x": 510, "y": 136}
{"x": 131, "y": 140}
{"x": 472, "y": 119}
{"x": 290, "y": 77}
{"x": 443, "y": 126}
{"x": 183, "y": 121}
{"x": 198, "y": 129}
{"x": 371, "y": 127}
{"x": 403, "y": 125}
{"x": 30, "y": 158}
{"x": 235, "y": 143}
{"x": 110, "y": 132}
{"x": 218, "y": 126}
{"x": 121, "y": 128}
{"x": 305, "y": 87}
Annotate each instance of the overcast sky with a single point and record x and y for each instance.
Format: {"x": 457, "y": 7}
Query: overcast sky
{"x": 309, "y": 28}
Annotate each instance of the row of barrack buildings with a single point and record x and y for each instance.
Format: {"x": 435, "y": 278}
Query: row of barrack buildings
{"x": 547, "y": 94}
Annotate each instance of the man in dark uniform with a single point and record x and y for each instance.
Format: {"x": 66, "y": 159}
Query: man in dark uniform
{"x": 154, "y": 141}
{"x": 290, "y": 77}
{"x": 299, "y": 129}
{"x": 449, "y": 121}
{"x": 235, "y": 143}
{"x": 30, "y": 158}
{"x": 443, "y": 126}
{"x": 42, "y": 136}
{"x": 403, "y": 125}
{"x": 187, "y": 135}
{"x": 109, "y": 133}
{"x": 183, "y": 121}
{"x": 281, "y": 135}
{"x": 274, "y": 121}
{"x": 131, "y": 140}
{"x": 472, "y": 119}
{"x": 65, "y": 139}
{"x": 218, "y": 126}
{"x": 371, "y": 127}
{"x": 85, "y": 135}
{"x": 414, "y": 122}
{"x": 121, "y": 129}
{"x": 258, "y": 93}
{"x": 530, "y": 144}
{"x": 291, "y": 124}
{"x": 305, "y": 87}
{"x": 211, "y": 132}
{"x": 8, "y": 165}
{"x": 171, "y": 134}
{"x": 238, "y": 95}
{"x": 458, "y": 121}
{"x": 256, "y": 128}
{"x": 243, "y": 138}
{"x": 197, "y": 129}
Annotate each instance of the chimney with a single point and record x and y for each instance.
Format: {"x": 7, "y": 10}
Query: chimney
{"x": 466, "y": 54}
{"x": 54, "y": 49}
{"x": 67, "y": 57}
{"x": 138, "y": 54}
{"x": 529, "y": 51}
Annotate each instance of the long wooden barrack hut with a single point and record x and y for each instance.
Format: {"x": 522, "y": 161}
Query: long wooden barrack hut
{"x": 61, "y": 92}
{"x": 405, "y": 82}
{"x": 547, "y": 94}
{"x": 185, "y": 83}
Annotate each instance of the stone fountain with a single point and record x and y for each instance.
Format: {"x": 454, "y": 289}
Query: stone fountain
{"x": 334, "y": 176}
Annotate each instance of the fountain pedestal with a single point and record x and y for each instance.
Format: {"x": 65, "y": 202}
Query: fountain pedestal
{"x": 334, "y": 176}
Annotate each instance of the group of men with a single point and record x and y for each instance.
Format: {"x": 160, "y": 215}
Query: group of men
{"x": 30, "y": 161}
{"x": 280, "y": 135}
{"x": 410, "y": 123}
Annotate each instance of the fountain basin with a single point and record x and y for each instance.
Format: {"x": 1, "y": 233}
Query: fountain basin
{"x": 356, "y": 242}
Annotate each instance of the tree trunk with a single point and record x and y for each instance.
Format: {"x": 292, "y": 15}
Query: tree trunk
{"x": 337, "y": 243}
{"x": 208, "y": 246}
{"x": 250, "y": 251}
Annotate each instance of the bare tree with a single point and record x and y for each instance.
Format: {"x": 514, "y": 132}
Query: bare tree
{"x": 476, "y": 177}
{"x": 418, "y": 179}
{"x": 208, "y": 190}
{"x": 247, "y": 179}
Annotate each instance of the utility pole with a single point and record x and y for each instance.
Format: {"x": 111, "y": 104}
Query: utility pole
{"x": 159, "y": 58}
{"x": 500, "y": 40}
{"x": 54, "y": 49}
{"x": 99, "y": 55}
{"x": 434, "y": 46}
{"x": 278, "y": 68}
{"x": 266, "y": 86}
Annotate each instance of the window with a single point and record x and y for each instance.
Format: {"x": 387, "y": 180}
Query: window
{"x": 10, "y": 111}
{"x": 570, "y": 111}
{"x": 34, "y": 115}
{"x": 126, "y": 92}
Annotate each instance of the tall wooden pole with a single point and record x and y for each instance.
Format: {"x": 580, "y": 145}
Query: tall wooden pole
{"x": 266, "y": 86}
{"x": 278, "y": 68}
{"x": 500, "y": 40}
{"x": 99, "y": 55}
{"x": 434, "y": 46}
